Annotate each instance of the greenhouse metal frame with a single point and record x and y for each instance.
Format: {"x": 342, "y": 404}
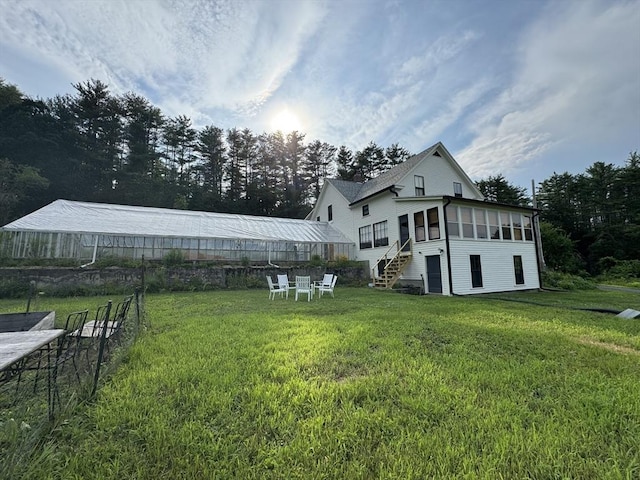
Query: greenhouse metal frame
{"x": 89, "y": 231}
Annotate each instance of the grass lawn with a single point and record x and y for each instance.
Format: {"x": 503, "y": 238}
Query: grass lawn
{"x": 367, "y": 385}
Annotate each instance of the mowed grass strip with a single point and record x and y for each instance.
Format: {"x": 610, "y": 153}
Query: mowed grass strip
{"x": 367, "y": 385}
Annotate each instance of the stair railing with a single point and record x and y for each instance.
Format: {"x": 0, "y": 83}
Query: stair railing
{"x": 388, "y": 260}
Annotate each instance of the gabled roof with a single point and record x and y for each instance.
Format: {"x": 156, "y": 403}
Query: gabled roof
{"x": 356, "y": 191}
{"x": 100, "y": 218}
{"x": 347, "y": 189}
{"x": 392, "y": 176}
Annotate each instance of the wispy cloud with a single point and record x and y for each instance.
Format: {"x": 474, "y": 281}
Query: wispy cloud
{"x": 406, "y": 89}
{"x": 505, "y": 85}
{"x": 426, "y": 63}
{"x": 231, "y": 55}
{"x": 578, "y": 69}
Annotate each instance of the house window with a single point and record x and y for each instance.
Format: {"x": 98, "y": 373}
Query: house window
{"x": 516, "y": 219}
{"x": 380, "y": 234}
{"x": 452, "y": 221}
{"x": 505, "y": 218}
{"x": 365, "y": 210}
{"x": 528, "y": 231}
{"x": 330, "y": 212}
{"x": 466, "y": 215}
{"x": 418, "y": 220}
{"x": 476, "y": 271}
{"x": 481, "y": 223}
{"x": 457, "y": 189}
{"x": 419, "y": 184}
{"x": 317, "y": 219}
{"x": 434, "y": 223}
{"x": 365, "y": 237}
{"x": 494, "y": 224}
{"x": 517, "y": 267}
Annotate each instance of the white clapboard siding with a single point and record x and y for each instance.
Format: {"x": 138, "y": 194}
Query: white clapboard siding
{"x": 497, "y": 265}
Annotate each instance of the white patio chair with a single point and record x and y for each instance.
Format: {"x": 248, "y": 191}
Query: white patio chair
{"x": 304, "y": 286}
{"x": 327, "y": 286}
{"x": 273, "y": 289}
{"x": 325, "y": 282}
{"x": 283, "y": 284}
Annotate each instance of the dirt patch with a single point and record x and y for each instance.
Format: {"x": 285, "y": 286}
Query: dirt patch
{"x": 612, "y": 347}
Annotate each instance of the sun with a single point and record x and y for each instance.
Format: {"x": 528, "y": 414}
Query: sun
{"x": 286, "y": 121}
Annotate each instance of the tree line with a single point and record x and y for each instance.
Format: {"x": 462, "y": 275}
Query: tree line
{"x": 100, "y": 147}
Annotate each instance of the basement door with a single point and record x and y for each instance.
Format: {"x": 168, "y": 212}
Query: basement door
{"x": 434, "y": 274}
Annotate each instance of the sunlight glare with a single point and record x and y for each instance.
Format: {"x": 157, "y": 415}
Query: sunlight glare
{"x": 286, "y": 121}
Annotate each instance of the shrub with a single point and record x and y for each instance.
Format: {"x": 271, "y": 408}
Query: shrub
{"x": 559, "y": 251}
{"x": 13, "y": 289}
{"x": 342, "y": 261}
{"x": 620, "y": 268}
{"x": 113, "y": 261}
{"x": 174, "y": 258}
{"x": 566, "y": 281}
{"x": 317, "y": 261}
{"x": 156, "y": 280}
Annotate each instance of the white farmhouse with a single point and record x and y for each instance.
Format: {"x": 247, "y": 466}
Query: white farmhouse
{"x": 424, "y": 222}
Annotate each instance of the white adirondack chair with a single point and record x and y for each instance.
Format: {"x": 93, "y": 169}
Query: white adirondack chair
{"x": 328, "y": 284}
{"x": 283, "y": 284}
{"x": 304, "y": 286}
{"x": 273, "y": 289}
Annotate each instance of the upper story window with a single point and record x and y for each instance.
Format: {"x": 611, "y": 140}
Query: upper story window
{"x": 466, "y": 215}
{"x": 516, "y": 218}
{"x": 380, "y": 234}
{"x": 528, "y": 231}
{"x": 457, "y": 189}
{"x": 452, "y": 221}
{"x": 505, "y": 218}
{"x": 418, "y": 221}
{"x": 330, "y": 212}
{"x": 434, "y": 223}
{"x": 365, "y": 210}
{"x": 481, "y": 223}
{"x": 365, "y": 237}
{"x": 419, "y": 184}
{"x": 494, "y": 224}
{"x": 317, "y": 218}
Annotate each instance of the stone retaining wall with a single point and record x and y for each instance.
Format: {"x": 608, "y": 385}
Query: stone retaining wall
{"x": 69, "y": 281}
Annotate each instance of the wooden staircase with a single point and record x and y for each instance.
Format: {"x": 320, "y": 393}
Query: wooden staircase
{"x": 395, "y": 265}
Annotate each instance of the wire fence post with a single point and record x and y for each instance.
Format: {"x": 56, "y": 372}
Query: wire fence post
{"x": 103, "y": 341}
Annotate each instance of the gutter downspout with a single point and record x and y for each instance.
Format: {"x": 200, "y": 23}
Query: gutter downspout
{"x": 95, "y": 250}
{"x": 538, "y": 244}
{"x": 536, "y": 229}
{"x": 269, "y": 259}
{"x": 446, "y": 239}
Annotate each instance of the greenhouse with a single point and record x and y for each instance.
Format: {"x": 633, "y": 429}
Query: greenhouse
{"x": 89, "y": 231}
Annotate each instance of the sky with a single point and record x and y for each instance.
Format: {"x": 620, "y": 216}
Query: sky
{"x": 522, "y": 88}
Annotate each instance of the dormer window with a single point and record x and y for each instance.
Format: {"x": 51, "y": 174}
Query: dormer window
{"x": 457, "y": 189}
{"x": 418, "y": 181}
